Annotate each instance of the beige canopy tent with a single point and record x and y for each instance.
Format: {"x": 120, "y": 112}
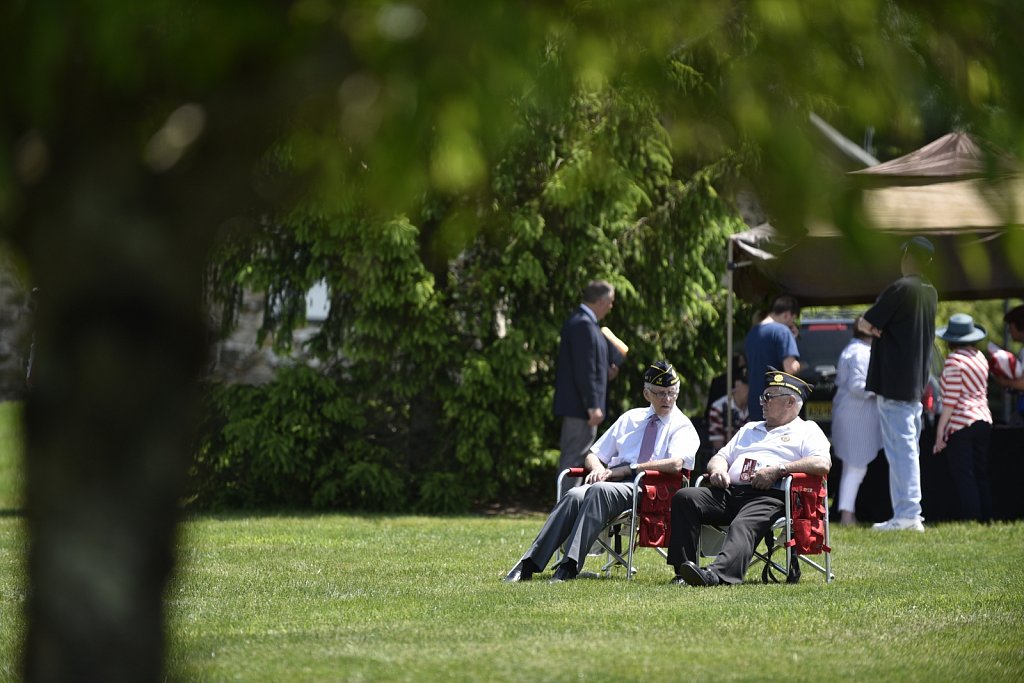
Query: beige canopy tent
{"x": 967, "y": 199}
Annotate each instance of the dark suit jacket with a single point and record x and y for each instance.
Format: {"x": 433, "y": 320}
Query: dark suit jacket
{"x": 581, "y": 375}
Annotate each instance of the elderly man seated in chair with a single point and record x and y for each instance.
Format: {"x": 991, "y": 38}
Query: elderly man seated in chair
{"x": 744, "y": 491}
{"x": 658, "y": 437}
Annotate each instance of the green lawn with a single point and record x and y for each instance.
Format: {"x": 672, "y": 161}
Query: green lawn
{"x": 376, "y": 598}
{"x": 324, "y": 598}
{"x": 11, "y": 480}
{"x": 347, "y": 598}
{"x": 12, "y": 588}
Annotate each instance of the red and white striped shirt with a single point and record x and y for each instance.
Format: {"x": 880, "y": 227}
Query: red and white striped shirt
{"x": 965, "y": 388}
{"x": 717, "y": 435}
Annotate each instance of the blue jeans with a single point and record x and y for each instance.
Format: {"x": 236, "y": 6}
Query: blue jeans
{"x": 901, "y": 439}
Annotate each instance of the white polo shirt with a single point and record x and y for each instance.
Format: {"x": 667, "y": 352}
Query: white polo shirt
{"x": 755, "y": 447}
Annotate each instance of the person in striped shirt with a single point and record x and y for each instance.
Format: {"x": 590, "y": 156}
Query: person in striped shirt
{"x": 965, "y": 424}
{"x": 1014, "y": 320}
{"x": 735, "y": 401}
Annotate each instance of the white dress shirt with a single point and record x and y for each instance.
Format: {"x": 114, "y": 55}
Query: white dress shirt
{"x": 620, "y": 445}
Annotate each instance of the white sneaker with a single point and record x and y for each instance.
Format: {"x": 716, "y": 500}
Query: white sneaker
{"x": 898, "y": 524}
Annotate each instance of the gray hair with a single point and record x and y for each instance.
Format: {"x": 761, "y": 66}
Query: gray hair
{"x": 796, "y": 396}
{"x": 597, "y": 290}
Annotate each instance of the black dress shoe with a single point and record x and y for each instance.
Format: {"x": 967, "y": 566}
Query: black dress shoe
{"x": 523, "y": 571}
{"x": 696, "y": 576}
{"x": 563, "y": 572}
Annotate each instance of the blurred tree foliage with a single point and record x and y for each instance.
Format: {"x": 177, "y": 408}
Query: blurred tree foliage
{"x": 444, "y": 325}
{"x": 588, "y": 155}
{"x": 456, "y": 171}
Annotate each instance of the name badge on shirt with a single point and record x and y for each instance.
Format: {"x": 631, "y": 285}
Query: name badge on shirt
{"x": 749, "y": 467}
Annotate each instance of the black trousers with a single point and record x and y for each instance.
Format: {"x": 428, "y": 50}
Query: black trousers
{"x": 967, "y": 455}
{"x": 749, "y": 512}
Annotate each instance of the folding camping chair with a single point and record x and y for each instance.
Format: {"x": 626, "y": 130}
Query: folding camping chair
{"x": 802, "y": 530}
{"x": 648, "y": 520}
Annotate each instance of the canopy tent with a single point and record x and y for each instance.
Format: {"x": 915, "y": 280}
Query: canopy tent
{"x": 967, "y": 200}
{"x": 946, "y": 191}
{"x": 955, "y": 155}
{"x": 825, "y": 269}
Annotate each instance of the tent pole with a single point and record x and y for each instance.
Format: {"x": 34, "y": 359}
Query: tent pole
{"x": 728, "y": 336}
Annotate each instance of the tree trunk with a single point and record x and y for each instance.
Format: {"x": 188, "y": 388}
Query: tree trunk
{"x": 120, "y": 341}
{"x": 118, "y": 250}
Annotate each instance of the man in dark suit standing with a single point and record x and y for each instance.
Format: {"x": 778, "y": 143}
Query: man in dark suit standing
{"x": 581, "y": 375}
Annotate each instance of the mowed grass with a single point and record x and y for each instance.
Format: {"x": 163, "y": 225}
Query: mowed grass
{"x": 302, "y": 597}
{"x": 11, "y": 470}
{"x": 351, "y": 598}
{"x": 12, "y": 546}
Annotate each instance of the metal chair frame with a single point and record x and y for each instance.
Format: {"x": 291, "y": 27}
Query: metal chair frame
{"x": 712, "y": 536}
{"x": 613, "y": 528}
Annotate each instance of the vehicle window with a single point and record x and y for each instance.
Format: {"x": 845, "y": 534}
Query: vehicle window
{"x": 820, "y": 344}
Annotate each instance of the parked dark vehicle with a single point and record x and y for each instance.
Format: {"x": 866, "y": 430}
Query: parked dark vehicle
{"x": 820, "y": 342}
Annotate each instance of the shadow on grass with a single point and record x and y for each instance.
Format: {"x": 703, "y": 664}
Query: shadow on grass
{"x": 262, "y": 514}
{"x": 512, "y": 510}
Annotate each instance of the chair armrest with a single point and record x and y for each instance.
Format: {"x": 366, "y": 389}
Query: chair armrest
{"x": 798, "y": 478}
{"x": 654, "y": 477}
{"x": 570, "y": 473}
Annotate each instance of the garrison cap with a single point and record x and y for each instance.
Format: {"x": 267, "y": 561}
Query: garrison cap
{"x": 778, "y": 378}
{"x": 661, "y": 374}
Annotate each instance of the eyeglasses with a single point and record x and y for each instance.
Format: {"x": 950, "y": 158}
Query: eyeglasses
{"x": 766, "y": 397}
{"x": 671, "y": 395}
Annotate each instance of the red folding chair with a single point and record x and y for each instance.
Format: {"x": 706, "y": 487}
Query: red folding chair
{"x": 802, "y": 530}
{"x": 649, "y": 520}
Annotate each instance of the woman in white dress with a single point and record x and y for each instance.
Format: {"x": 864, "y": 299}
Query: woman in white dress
{"x": 856, "y": 434}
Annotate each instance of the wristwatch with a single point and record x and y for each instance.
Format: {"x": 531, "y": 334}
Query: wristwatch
{"x": 633, "y": 469}
{"x": 783, "y": 472}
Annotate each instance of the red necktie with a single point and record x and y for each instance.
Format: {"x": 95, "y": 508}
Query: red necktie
{"x": 650, "y": 435}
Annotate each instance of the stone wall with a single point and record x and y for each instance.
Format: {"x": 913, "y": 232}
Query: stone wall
{"x": 238, "y": 359}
